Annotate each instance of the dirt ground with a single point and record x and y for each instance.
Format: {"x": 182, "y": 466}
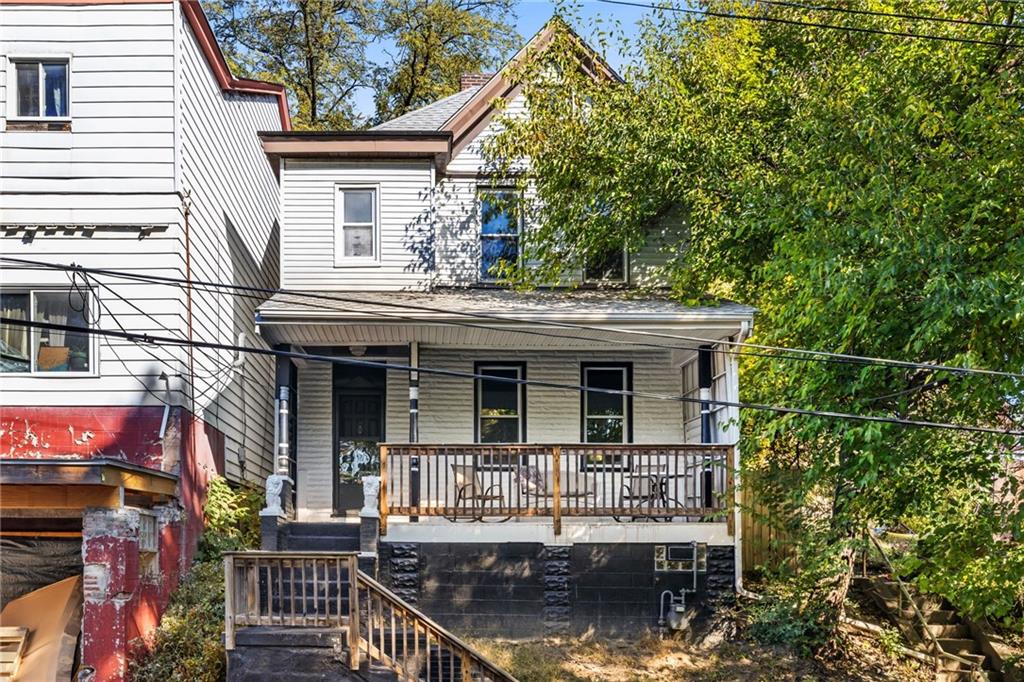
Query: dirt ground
{"x": 650, "y": 659}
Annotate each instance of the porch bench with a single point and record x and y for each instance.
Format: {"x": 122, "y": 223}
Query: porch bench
{"x": 533, "y": 483}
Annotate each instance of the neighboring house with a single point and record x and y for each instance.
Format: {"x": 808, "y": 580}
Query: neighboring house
{"x": 126, "y": 143}
{"x": 388, "y": 240}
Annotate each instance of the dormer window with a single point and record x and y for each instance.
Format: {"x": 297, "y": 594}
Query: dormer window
{"x": 356, "y": 226}
{"x": 42, "y": 88}
{"x": 500, "y": 227}
{"x": 608, "y": 267}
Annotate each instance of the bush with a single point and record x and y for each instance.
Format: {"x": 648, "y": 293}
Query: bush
{"x": 188, "y": 646}
{"x": 780, "y": 620}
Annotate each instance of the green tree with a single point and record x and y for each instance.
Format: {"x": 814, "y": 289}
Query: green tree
{"x": 317, "y": 48}
{"x": 435, "y": 42}
{"x": 863, "y": 191}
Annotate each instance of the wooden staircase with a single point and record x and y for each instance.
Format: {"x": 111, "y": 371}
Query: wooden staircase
{"x": 349, "y": 626}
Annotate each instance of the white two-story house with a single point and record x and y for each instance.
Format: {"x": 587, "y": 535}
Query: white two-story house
{"x": 126, "y": 145}
{"x": 546, "y": 459}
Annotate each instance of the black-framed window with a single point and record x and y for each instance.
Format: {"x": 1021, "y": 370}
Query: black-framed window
{"x": 608, "y": 267}
{"x": 500, "y": 228}
{"x": 500, "y": 405}
{"x": 605, "y": 416}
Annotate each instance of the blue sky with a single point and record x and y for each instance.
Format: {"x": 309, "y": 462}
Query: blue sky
{"x": 531, "y": 15}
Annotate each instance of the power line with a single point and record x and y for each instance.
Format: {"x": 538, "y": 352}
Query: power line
{"x": 812, "y": 355}
{"x": 893, "y": 15}
{"x": 151, "y": 339}
{"x": 812, "y": 24}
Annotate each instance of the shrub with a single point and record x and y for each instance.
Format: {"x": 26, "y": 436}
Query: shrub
{"x": 777, "y": 619}
{"x": 188, "y": 646}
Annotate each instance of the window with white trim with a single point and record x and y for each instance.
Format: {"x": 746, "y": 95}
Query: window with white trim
{"x": 46, "y": 351}
{"x": 501, "y": 414}
{"x": 691, "y": 392}
{"x": 356, "y": 225}
{"x": 500, "y": 229}
{"x": 41, "y": 89}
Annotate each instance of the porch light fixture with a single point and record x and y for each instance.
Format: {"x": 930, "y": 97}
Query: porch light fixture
{"x": 357, "y": 351}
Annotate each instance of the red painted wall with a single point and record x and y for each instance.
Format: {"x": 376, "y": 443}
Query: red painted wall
{"x": 122, "y": 605}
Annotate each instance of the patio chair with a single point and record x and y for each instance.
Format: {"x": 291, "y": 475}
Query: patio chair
{"x": 469, "y": 489}
{"x": 643, "y": 487}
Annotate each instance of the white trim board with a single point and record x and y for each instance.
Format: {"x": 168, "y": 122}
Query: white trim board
{"x": 573, "y": 532}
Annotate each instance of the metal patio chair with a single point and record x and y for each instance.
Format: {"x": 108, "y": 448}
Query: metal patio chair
{"x": 643, "y": 486}
{"x": 469, "y": 489}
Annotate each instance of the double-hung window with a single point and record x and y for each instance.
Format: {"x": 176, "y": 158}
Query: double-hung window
{"x": 44, "y": 351}
{"x": 606, "y": 410}
{"x": 356, "y": 226}
{"x": 501, "y": 405}
{"x": 41, "y": 88}
{"x": 607, "y": 267}
{"x": 500, "y": 229}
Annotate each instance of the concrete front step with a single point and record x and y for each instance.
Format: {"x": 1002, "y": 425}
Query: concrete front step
{"x": 326, "y": 528}
{"x": 321, "y": 543}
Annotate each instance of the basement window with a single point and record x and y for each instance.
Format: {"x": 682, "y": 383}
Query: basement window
{"x": 25, "y": 350}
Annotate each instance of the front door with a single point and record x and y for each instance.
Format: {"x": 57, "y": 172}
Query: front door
{"x": 359, "y": 395}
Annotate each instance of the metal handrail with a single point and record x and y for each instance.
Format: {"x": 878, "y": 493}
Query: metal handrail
{"x": 470, "y": 658}
{"x": 920, "y": 616}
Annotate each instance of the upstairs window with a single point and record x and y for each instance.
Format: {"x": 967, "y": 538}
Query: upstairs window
{"x": 46, "y": 351}
{"x": 356, "y": 225}
{"x": 608, "y": 267}
{"x": 500, "y": 227}
{"x": 42, "y": 88}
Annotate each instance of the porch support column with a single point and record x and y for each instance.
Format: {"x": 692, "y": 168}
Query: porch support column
{"x": 414, "y": 425}
{"x": 705, "y": 374}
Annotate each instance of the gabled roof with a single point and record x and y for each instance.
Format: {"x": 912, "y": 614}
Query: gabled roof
{"x": 432, "y": 116}
{"x": 464, "y": 114}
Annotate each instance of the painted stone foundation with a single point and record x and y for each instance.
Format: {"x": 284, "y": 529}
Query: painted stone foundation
{"x": 522, "y": 590}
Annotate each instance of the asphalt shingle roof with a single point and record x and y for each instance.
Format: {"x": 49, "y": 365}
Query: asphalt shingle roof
{"x": 432, "y": 116}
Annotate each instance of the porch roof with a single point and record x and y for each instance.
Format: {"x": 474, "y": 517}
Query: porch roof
{"x": 455, "y": 303}
{"x": 444, "y": 316}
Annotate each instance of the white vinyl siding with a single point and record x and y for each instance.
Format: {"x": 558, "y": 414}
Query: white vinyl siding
{"x": 406, "y": 245}
{"x": 233, "y": 197}
{"x": 121, "y": 81}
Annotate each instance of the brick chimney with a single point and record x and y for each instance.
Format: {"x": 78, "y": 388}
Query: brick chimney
{"x": 472, "y": 80}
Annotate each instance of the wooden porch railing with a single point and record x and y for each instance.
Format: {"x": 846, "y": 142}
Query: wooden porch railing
{"x": 415, "y": 647}
{"x": 496, "y": 482}
{"x": 291, "y": 589}
{"x": 327, "y": 589}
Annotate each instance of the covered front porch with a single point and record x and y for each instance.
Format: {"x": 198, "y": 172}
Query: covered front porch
{"x": 487, "y": 427}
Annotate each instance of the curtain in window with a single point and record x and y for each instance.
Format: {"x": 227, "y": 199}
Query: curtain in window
{"x": 14, "y": 340}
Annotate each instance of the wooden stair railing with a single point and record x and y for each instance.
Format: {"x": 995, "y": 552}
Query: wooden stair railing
{"x": 412, "y": 645}
{"x": 327, "y": 589}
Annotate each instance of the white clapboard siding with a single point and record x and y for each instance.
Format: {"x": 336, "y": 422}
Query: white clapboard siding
{"x": 121, "y": 80}
{"x": 128, "y": 374}
{"x": 406, "y": 233}
{"x": 234, "y": 201}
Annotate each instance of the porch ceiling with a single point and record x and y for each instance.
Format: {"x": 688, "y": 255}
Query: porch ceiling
{"x": 441, "y": 318}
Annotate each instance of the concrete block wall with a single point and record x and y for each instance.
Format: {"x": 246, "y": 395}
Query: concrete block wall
{"x": 522, "y": 590}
